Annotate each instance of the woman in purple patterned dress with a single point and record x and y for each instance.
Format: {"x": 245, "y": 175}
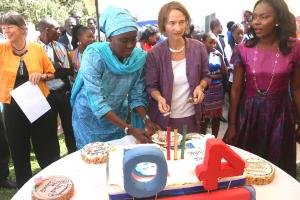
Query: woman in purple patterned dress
{"x": 263, "y": 120}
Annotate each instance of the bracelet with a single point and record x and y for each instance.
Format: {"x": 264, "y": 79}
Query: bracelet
{"x": 146, "y": 117}
{"x": 126, "y": 130}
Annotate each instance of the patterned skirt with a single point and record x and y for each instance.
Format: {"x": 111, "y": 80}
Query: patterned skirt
{"x": 266, "y": 127}
{"x": 213, "y": 101}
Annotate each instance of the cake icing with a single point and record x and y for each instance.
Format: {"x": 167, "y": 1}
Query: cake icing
{"x": 259, "y": 171}
{"x": 181, "y": 173}
{"x": 53, "y": 188}
{"x": 95, "y": 153}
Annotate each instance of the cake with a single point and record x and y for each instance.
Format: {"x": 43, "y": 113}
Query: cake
{"x": 95, "y": 153}
{"x": 259, "y": 171}
{"x": 181, "y": 177}
{"x": 53, "y": 188}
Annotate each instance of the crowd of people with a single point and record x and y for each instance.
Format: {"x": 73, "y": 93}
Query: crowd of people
{"x": 137, "y": 83}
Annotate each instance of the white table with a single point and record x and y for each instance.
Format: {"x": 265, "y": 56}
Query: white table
{"x": 90, "y": 180}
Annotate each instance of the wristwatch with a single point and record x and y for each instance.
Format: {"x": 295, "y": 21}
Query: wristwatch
{"x": 146, "y": 118}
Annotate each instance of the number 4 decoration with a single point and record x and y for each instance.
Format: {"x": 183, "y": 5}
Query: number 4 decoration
{"x": 212, "y": 168}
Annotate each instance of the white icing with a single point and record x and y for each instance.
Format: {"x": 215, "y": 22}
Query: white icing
{"x": 95, "y": 150}
{"x": 181, "y": 173}
{"x": 258, "y": 167}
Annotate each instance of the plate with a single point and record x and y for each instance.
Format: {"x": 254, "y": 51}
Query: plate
{"x": 160, "y": 134}
{"x": 194, "y": 135}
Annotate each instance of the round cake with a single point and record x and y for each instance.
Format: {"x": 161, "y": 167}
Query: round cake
{"x": 95, "y": 153}
{"x": 53, "y": 188}
{"x": 259, "y": 171}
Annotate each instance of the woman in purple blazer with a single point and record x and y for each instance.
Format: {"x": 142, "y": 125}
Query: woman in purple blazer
{"x": 176, "y": 73}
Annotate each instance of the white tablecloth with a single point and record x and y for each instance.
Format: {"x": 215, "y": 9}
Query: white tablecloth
{"x": 90, "y": 180}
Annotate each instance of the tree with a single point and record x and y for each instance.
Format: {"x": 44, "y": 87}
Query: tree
{"x": 35, "y": 10}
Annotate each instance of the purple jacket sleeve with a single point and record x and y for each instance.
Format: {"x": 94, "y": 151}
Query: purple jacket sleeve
{"x": 152, "y": 74}
{"x": 205, "y": 74}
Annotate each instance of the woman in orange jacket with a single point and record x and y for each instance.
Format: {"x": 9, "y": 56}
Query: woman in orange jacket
{"x": 22, "y": 61}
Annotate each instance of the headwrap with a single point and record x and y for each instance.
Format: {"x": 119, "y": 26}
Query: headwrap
{"x": 115, "y": 21}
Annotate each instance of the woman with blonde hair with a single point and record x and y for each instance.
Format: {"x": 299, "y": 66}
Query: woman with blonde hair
{"x": 176, "y": 72}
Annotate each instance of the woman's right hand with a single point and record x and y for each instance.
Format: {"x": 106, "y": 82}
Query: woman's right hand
{"x": 35, "y": 77}
{"x": 162, "y": 105}
{"x": 230, "y": 134}
{"x": 140, "y": 135}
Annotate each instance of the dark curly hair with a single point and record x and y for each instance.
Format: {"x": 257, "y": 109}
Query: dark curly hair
{"x": 234, "y": 27}
{"x": 77, "y": 31}
{"x": 148, "y": 32}
{"x": 286, "y": 21}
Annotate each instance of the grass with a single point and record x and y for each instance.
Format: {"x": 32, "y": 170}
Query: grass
{"x": 6, "y": 194}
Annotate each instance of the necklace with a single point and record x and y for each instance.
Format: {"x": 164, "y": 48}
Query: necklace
{"x": 21, "y": 67}
{"x": 177, "y": 50}
{"x": 20, "y": 52}
{"x": 264, "y": 92}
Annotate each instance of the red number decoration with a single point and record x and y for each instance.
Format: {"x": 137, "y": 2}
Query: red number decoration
{"x": 212, "y": 168}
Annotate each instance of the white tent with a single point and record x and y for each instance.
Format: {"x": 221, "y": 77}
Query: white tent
{"x": 230, "y": 10}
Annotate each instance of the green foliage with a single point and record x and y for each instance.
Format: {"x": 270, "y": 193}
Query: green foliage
{"x": 34, "y": 10}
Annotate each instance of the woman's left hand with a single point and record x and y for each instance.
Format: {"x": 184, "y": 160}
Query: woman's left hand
{"x": 198, "y": 94}
{"x": 35, "y": 78}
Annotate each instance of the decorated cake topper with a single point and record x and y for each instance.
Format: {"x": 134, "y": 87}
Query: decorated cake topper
{"x": 140, "y": 154}
{"x": 212, "y": 169}
{"x": 146, "y": 173}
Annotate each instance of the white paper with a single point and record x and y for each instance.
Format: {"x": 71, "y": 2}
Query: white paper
{"x": 31, "y": 100}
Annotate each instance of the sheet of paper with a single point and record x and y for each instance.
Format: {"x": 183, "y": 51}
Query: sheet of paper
{"x": 31, "y": 100}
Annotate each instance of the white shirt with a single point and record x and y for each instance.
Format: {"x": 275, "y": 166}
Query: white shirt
{"x": 181, "y": 92}
{"x": 56, "y": 83}
{"x": 228, "y": 52}
{"x": 48, "y": 48}
{"x": 220, "y": 45}
{"x": 70, "y": 40}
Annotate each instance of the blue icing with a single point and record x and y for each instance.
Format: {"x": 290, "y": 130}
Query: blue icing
{"x": 131, "y": 160}
{"x": 146, "y": 169}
